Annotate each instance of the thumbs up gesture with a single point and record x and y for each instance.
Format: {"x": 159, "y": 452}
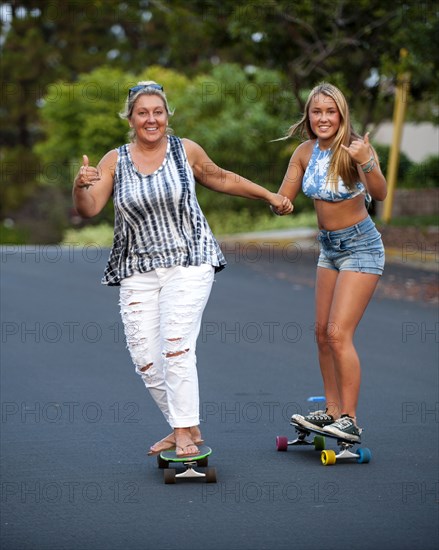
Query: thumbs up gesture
{"x": 87, "y": 175}
{"x": 359, "y": 150}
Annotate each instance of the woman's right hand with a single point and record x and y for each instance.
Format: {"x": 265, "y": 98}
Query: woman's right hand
{"x": 89, "y": 199}
{"x": 87, "y": 175}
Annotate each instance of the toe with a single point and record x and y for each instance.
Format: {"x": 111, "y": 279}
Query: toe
{"x": 187, "y": 450}
{"x": 164, "y": 444}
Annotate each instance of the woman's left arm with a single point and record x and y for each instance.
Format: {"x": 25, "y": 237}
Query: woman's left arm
{"x": 212, "y": 176}
{"x": 362, "y": 152}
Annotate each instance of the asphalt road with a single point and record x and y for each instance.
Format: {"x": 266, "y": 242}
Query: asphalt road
{"x": 76, "y": 419}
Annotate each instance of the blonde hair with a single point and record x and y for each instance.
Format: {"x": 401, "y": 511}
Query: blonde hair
{"x": 131, "y": 99}
{"x": 341, "y": 164}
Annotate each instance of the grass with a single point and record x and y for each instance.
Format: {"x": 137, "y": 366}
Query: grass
{"x": 229, "y": 223}
{"x": 220, "y": 223}
{"x": 245, "y": 222}
{"x": 13, "y": 235}
{"x": 101, "y": 235}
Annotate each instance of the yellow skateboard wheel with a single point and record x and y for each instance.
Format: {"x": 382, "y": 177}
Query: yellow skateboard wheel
{"x": 328, "y": 458}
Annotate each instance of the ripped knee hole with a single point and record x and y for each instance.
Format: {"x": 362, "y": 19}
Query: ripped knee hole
{"x": 146, "y": 367}
{"x": 176, "y": 353}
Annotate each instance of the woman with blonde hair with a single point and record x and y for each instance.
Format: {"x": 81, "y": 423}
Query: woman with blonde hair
{"x": 164, "y": 255}
{"x": 340, "y": 171}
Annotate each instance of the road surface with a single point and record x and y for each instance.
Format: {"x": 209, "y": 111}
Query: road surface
{"x": 76, "y": 419}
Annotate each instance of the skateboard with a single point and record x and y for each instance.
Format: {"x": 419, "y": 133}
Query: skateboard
{"x": 189, "y": 463}
{"x": 327, "y": 456}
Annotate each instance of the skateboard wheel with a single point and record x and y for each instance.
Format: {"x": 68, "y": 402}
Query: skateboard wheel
{"x": 162, "y": 463}
{"x": 364, "y": 455}
{"x": 169, "y": 475}
{"x": 319, "y": 442}
{"x": 211, "y": 475}
{"x": 281, "y": 443}
{"x": 328, "y": 458}
{"x": 203, "y": 462}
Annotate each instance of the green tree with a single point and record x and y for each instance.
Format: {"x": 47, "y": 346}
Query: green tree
{"x": 234, "y": 115}
{"x": 356, "y": 45}
{"x": 42, "y": 41}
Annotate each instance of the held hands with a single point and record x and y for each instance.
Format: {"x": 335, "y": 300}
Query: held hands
{"x": 359, "y": 150}
{"x": 280, "y": 205}
{"x": 87, "y": 175}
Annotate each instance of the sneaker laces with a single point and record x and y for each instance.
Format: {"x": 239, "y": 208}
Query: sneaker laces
{"x": 320, "y": 415}
{"x": 346, "y": 421}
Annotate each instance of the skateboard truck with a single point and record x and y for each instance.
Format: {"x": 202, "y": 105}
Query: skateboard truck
{"x": 318, "y": 441}
{"x": 362, "y": 456}
{"x": 170, "y": 475}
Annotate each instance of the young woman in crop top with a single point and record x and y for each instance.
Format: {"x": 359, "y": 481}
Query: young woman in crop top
{"x": 339, "y": 170}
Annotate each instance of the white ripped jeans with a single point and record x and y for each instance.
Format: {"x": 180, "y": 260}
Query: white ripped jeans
{"x": 161, "y": 311}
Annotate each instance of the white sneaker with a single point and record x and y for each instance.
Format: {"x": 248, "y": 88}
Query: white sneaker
{"x": 345, "y": 428}
{"x": 316, "y": 419}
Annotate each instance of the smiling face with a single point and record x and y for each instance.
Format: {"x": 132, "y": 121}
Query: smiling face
{"x": 324, "y": 118}
{"x": 149, "y": 118}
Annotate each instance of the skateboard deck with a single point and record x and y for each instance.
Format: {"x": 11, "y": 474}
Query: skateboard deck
{"x": 327, "y": 456}
{"x": 189, "y": 463}
{"x": 317, "y": 431}
{"x": 171, "y": 456}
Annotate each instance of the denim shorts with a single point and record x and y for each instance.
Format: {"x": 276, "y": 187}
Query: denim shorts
{"x": 357, "y": 248}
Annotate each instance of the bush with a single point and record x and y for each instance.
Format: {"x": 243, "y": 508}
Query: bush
{"x": 405, "y": 163}
{"x": 232, "y": 113}
{"x": 13, "y": 235}
{"x": 411, "y": 175}
{"x": 424, "y": 175}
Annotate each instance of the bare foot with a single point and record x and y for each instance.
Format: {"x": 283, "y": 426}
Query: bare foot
{"x": 184, "y": 443}
{"x": 165, "y": 444}
{"x": 197, "y": 438}
{"x": 168, "y": 442}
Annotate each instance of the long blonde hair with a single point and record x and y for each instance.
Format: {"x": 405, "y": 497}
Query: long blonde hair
{"x": 341, "y": 164}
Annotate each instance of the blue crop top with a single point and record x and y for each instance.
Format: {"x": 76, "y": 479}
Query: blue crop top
{"x": 315, "y": 184}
